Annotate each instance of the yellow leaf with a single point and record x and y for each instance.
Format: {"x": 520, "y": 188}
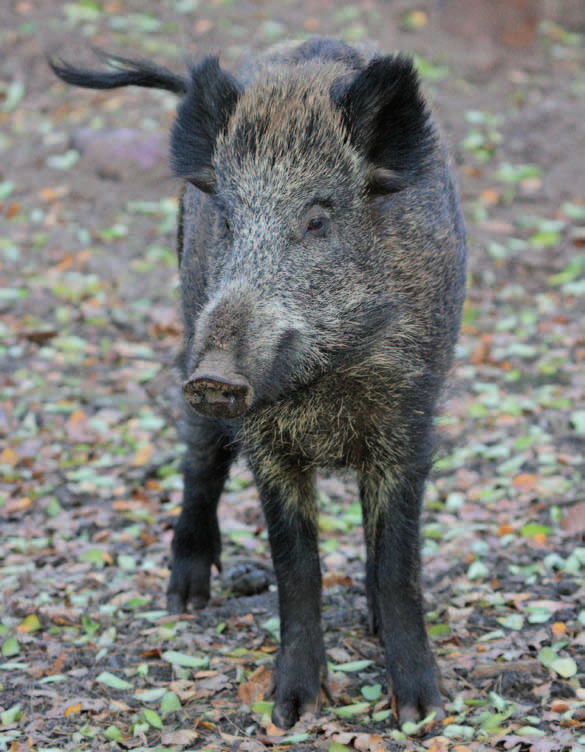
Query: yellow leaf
{"x": 143, "y": 455}
{"x": 30, "y": 624}
{"x": 8, "y": 457}
{"x": 73, "y": 710}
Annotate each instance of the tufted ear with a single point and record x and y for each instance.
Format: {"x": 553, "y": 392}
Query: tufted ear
{"x": 387, "y": 120}
{"x": 202, "y": 115}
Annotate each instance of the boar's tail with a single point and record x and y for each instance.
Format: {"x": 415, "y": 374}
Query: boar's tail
{"x": 128, "y": 73}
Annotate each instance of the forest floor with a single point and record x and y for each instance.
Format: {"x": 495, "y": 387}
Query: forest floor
{"x": 90, "y": 480}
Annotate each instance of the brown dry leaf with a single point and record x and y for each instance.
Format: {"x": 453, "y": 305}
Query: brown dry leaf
{"x": 53, "y": 194}
{"x": 64, "y": 264}
{"x": 490, "y": 196}
{"x": 526, "y": 482}
{"x": 440, "y": 744}
{"x": 559, "y": 706}
{"x": 143, "y": 455}
{"x": 180, "y": 738}
{"x": 256, "y": 686}
{"x": 337, "y": 579}
{"x": 482, "y": 351}
{"x": 370, "y": 743}
{"x": 574, "y": 519}
{"x": 274, "y": 731}
{"x": 346, "y": 738}
{"x": 76, "y": 426}
{"x": 14, "y": 506}
{"x": 126, "y": 505}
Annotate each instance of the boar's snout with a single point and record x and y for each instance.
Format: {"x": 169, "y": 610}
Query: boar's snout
{"x": 216, "y": 390}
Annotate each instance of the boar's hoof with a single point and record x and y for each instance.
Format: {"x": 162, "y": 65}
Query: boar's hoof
{"x": 216, "y": 396}
{"x": 188, "y": 586}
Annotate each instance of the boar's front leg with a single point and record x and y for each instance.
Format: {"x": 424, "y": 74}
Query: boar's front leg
{"x": 301, "y": 669}
{"x": 196, "y": 542}
{"x": 391, "y": 508}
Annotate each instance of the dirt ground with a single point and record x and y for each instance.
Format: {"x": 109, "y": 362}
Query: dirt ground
{"x": 89, "y": 464}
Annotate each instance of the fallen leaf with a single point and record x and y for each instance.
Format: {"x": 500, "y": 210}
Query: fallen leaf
{"x": 72, "y": 710}
{"x": 76, "y": 426}
{"x": 15, "y": 506}
{"x": 143, "y": 455}
{"x": 8, "y": 457}
{"x": 573, "y": 520}
{"x": 180, "y": 738}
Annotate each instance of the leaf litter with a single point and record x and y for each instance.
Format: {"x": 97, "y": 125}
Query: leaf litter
{"x": 90, "y": 480}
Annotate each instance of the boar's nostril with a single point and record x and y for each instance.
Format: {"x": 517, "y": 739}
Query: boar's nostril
{"x": 216, "y": 396}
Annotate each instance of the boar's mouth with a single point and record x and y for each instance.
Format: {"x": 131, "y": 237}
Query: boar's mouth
{"x": 217, "y": 397}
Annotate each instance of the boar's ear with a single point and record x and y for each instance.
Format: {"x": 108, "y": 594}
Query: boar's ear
{"x": 202, "y": 115}
{"x": 387, "y": 121}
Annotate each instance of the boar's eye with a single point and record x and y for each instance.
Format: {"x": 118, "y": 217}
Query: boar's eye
{"x": 317, "y": 226}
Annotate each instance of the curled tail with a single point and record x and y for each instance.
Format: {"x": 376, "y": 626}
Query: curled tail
{"x": 128, "y": 73}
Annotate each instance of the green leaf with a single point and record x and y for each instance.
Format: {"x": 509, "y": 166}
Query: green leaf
{"x": 509, "y": 173}
{"x": 152, "y": 717}
{"x": 263, "y": 707}
{"x": 573, "y": 211}
{"x": 533, "y": 528}
{"x": 126, "y": 562}
{"x": 372, "y": 692}
{"x": 170, "y": 703}
{"x": 513, "y": 621}
{"x": 184, "y": 660}
{"x": 8, "y": 294}
{"x": 439, "y": 630}
{"x": 114, "y": 734}
{"x": 455, "y": 731}
{"x": 578, "y": 421}
{"x": 151, "y": 695}
{"x": 349, "y": 711}
{"x": 477, "y": 571}
{"x": 10, "y": 716}
{"x": 350, "y": 666}
{"x": 63, "y": 161}
{"x": 337, "y": 747}
{"x": 10, "y": 647}
{"x": 113, "y": 681}
{"x": 547, "y": 657}
{"x": 13, "y": 96}
{"x": 565, "y": 667}
{"x": 531, "y": 731}
{"x": 6, "y": 188}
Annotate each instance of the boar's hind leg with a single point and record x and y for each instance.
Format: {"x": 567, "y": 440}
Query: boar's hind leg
{"x": 391, "y": 509}
{"x": 301, "y": 669}
{"x": 196, "y": 542}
